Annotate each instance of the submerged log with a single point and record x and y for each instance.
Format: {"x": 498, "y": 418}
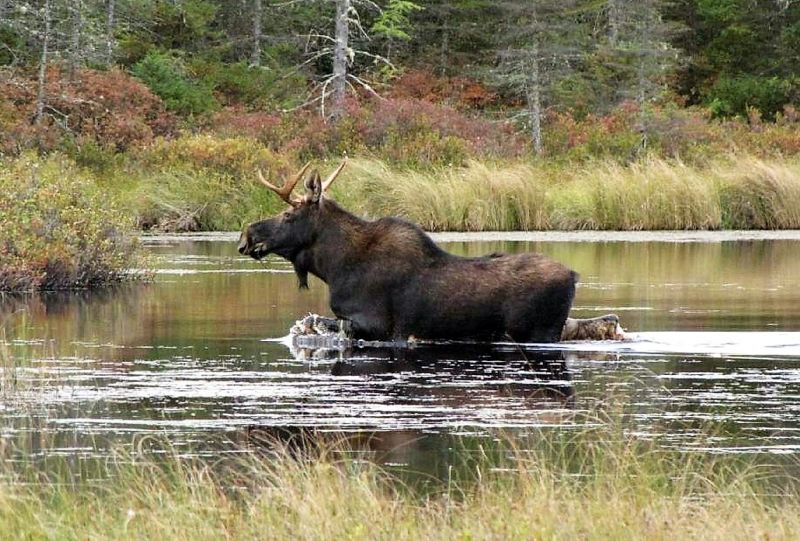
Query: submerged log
{"x": 597, "y": 328}
{"x": 318, "y": 332}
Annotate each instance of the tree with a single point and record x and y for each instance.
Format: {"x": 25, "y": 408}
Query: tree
{"x": 540, "y": 47}
{"x": 110, "y": 26}
{"x": 41, "y": 96}
{"x": 343, "y": 49}
{"x": 394, "y": 22}
{"x": 733, "y": 48}
{"x": 255, "y": 57}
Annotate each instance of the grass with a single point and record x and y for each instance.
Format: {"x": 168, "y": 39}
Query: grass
{"x": 597, "y": 484}
{"x": 202, "y": 182}
{"x": 654, "y": 194}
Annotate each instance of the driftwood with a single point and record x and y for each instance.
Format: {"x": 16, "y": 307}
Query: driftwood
{"x": 315, "y": 332}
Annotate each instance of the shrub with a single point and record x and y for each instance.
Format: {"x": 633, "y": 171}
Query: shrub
{"x": 109, "y": 109}
{"x": 253, "y": 87}
{"x": 203, "y": 182}
{"x": 407, "y": 132}
{"x": 59, "y": 230}
{"x": 461, "y": 92}
{"x": 688, "y": 134}
{"x": 733, "y": 96}
{"x": 168, "y": 78}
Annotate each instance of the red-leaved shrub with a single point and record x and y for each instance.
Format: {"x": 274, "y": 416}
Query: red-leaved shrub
{"x": 109, "y": 108}
{"x": 461, "y": 92}
{"x": 405, "y": 131}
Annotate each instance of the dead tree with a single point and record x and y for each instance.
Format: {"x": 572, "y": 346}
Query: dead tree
{"x": 41, "y": 96}
{"x": 255, "y": 56}
{"x": 110, "y": 22}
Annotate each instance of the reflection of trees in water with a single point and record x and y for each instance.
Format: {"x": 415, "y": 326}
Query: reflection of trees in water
{"x": 187, "y": 310}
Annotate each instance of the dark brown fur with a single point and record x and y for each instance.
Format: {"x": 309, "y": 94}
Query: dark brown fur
{"x": 391, "y": 281}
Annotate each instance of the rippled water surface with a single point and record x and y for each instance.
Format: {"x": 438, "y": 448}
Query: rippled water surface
{"x": 194, "y": 356}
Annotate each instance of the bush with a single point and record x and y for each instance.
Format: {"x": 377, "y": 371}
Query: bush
{"x": 253, "y": 87}
{"x": 407, "y": 132}
{"x": 733, "y": 96}
{"x": 109, "y": 109}
{"x": 167, "y": 77}
{"x": 462, "y": 92}
{"x": 202, "y": 182}
{"x": 688, "y": 134}
{"x": 59, "y": 230}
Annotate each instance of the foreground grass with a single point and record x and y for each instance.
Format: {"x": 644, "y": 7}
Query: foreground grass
{"x": 598, "y": 484}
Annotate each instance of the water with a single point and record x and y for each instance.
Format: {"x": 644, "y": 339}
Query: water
{"x": 195, "y": 358}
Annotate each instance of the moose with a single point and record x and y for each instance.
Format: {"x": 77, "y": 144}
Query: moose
{"x": 388, "y": 280}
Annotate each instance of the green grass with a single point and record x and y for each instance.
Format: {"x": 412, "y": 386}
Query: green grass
{"x": 595, "y": 484}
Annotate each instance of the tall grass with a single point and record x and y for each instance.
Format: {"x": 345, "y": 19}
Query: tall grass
{"x": 599, "y": 484}
{"x": 731, "y": 193}
{"x": 202, "y": 182}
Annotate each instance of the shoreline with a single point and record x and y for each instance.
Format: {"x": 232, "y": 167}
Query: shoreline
{"x": 697, "y": 236}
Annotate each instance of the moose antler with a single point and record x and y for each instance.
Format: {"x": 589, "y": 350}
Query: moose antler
{"x": 286, "y": 190}
{"x": 332, "y": 177}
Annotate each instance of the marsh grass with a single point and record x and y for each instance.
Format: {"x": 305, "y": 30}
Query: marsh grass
{"x": 652, "y": 194}
{"x": 201, "y": 182}
{"x": 597, "y": 483}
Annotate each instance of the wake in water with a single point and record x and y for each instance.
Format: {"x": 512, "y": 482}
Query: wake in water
{"x": 318, "y": 333}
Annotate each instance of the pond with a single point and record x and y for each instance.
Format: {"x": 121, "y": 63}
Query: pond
{"x": 196, "y": 356}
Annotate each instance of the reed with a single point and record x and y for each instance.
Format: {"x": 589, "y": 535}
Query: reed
{"x": 600, "y": 483}
{"x": 652, "y": 194}
{"x": 206, "y": 183}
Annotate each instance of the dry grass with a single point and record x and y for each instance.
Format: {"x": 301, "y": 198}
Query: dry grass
{"x": 200, "y": 183}
{"x": 731, "y": 193}
{"x": 599, "y": 484}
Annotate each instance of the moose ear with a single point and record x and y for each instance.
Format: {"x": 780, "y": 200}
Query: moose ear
{"x": 313, "y": 186}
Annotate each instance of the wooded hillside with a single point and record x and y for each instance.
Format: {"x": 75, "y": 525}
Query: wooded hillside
{"x": 119, "y": 72}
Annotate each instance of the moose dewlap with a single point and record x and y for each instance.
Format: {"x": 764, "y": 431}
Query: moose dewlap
{"x": 389, "y": 280}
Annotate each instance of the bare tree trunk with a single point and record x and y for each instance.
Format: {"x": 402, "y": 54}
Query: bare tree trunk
{"x": 614, "y": 20}
{"x": 534, "y": 98}
{"x": 110, "y": 33}
{"x": 75, "y": 39}
{"x": 647, "y": 54}
{"x": 41, "y": 95}
{"x": 340, "y": 58}
{"x": 444, "y": 52}
{"x": 255, "y": 57}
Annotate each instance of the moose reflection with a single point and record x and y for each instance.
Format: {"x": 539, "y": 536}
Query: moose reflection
{"x": 388, "y": 280}
{"x": 537, "y": 384}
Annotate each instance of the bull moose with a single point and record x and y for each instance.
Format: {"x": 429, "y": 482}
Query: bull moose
{"x": 389, "y": 280}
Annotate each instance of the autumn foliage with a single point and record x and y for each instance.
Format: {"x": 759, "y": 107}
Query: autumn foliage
{"x": 59, "y": 229}
{"x": 108, "y": 108}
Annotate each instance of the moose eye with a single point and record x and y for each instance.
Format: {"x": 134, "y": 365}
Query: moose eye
{"x": 289, "y": 217}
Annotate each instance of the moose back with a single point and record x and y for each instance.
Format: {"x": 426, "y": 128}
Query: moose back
{"x": 390, "y": 281}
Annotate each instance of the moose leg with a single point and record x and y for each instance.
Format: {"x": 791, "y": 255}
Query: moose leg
{"x": 596, "y": 328}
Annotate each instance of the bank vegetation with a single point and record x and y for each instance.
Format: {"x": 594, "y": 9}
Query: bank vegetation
{"x": 599, "y": 483}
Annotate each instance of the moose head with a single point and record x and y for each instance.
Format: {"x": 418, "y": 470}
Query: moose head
{"x": 293, "y": 230}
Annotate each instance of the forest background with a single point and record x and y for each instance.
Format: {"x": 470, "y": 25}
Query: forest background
{"x": 464, "y": 114}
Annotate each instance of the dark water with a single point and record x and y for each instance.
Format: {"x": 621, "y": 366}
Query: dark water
{"x": 194, "y": 357}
